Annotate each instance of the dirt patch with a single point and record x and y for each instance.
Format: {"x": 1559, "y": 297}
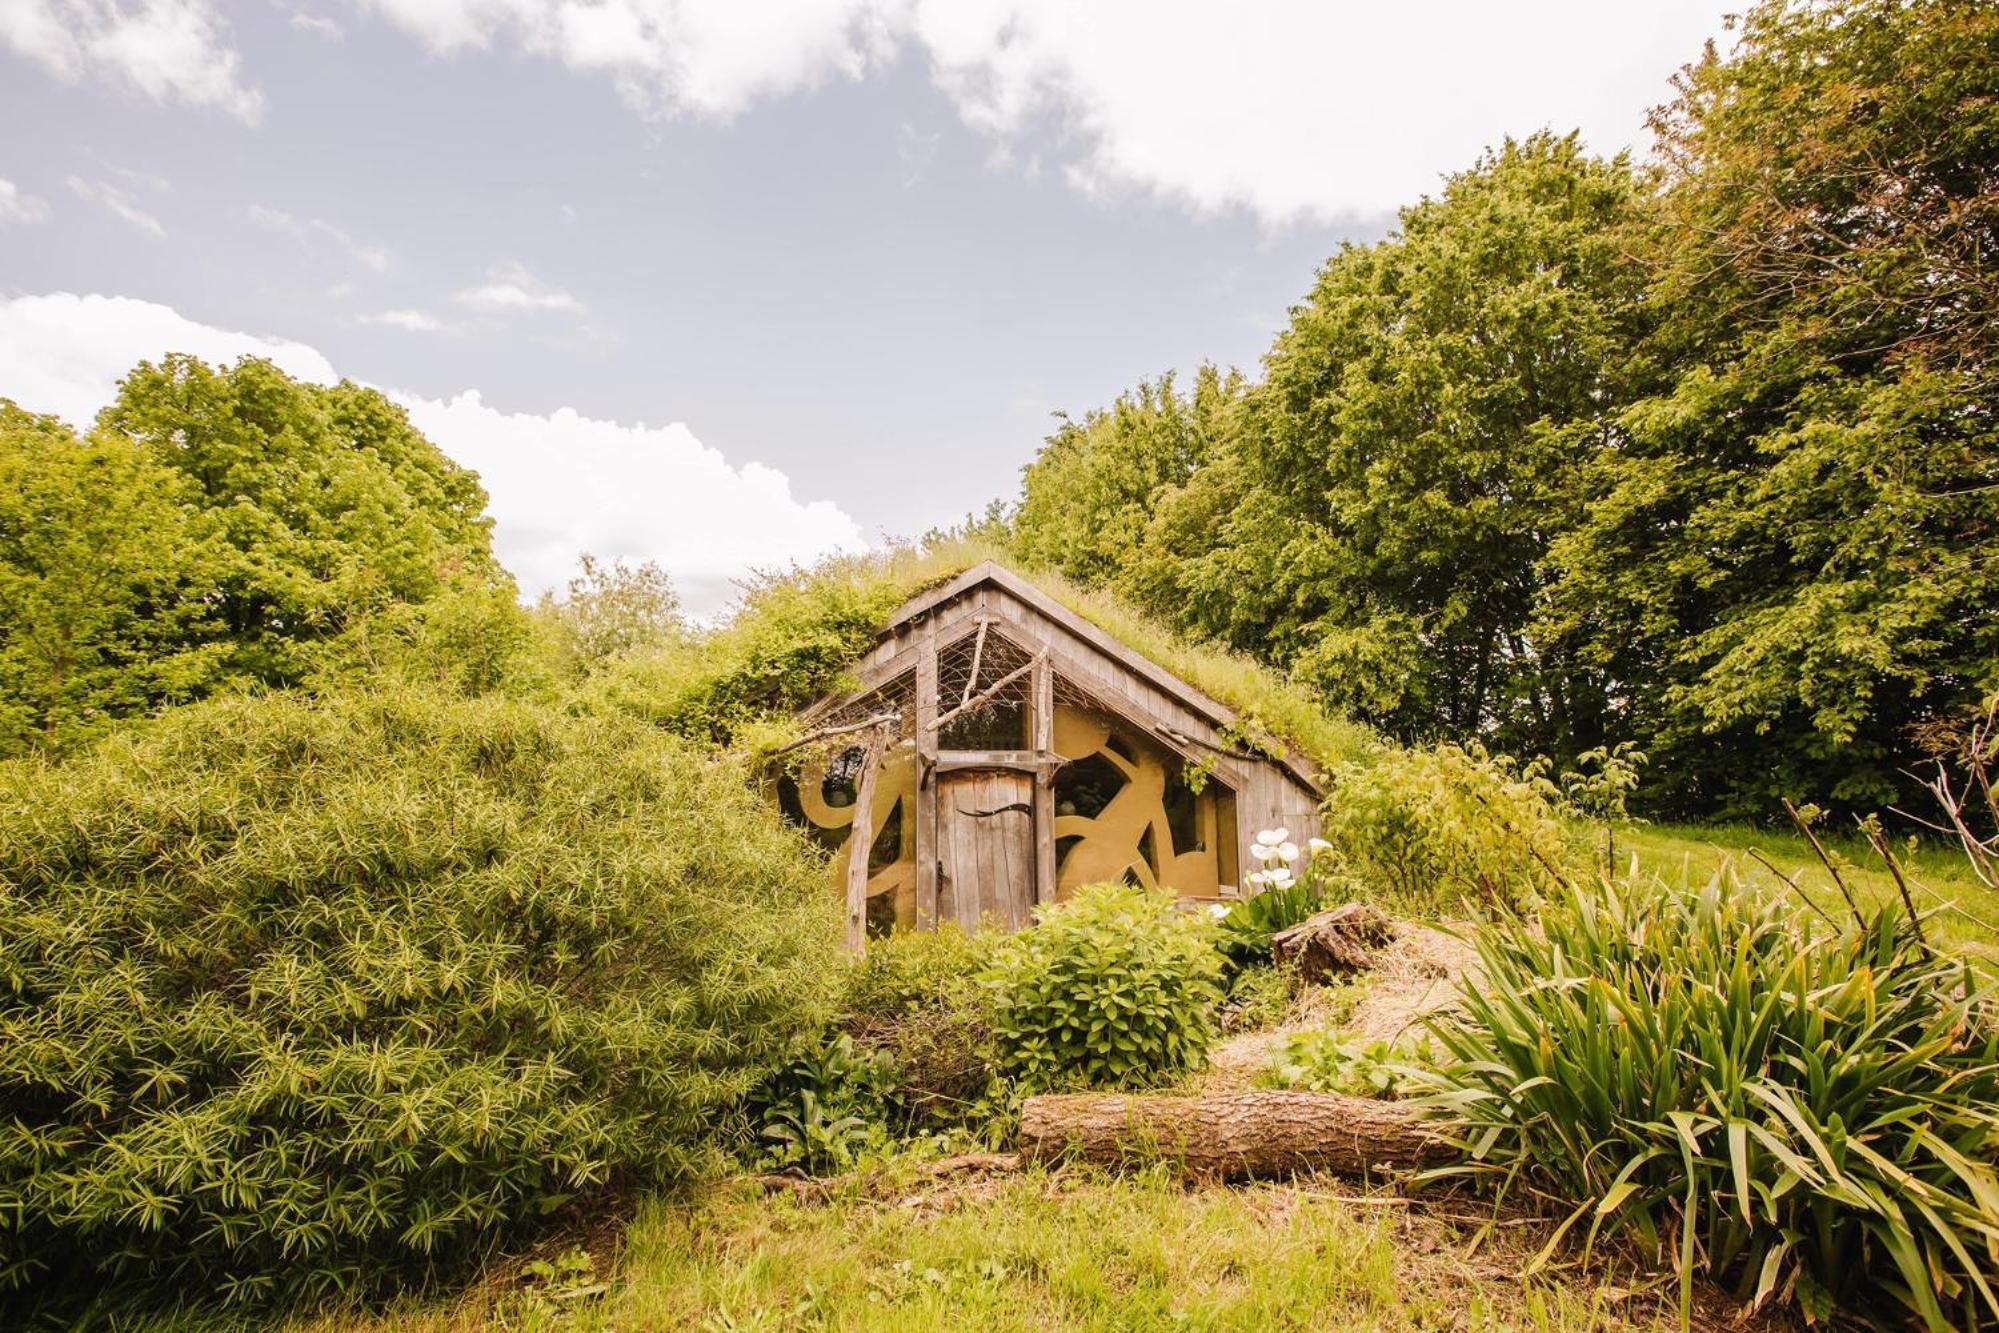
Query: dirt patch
{"x": 1414, "y": 975}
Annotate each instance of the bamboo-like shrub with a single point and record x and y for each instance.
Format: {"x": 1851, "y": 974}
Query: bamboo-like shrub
{"x": 302, "y": 1000}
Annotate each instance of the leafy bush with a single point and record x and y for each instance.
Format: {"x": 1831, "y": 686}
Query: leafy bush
{"x": 1114, "y": 987}
{"x": 918, "y": 971}
{"x": 827, "y": 1108}
{"x": 1434, "y": 830}
{"x": 1809, "y": 1113}
{"x": 300, "y": 998}
{"x": 1258, "y": 997}
{"x": 916, "y": 997}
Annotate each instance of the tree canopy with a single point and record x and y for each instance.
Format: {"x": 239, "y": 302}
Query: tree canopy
{"x": 212, "y": 528}
{"x": 1696, "y": 453}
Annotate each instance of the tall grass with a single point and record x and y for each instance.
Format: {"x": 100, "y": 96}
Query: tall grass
{"x": 1810, "y": 1114}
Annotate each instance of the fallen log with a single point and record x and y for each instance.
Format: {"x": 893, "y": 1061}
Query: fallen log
{"x": 1334, "y": 942}
{"x": 1231, "y": 1135}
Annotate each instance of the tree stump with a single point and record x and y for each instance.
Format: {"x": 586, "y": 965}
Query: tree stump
{"x": 1333, "y": 943}
{"x": 1232, "y": 1135}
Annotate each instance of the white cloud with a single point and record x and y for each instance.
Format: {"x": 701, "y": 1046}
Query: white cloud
{"x": 65, "y": 354}
{"x": 318, "y": 25}
{"x": 17, "y": 205}
{"x": 1289, "y": 110}
{"x": 561, "y": 483}
{"x": 409, "y": 321}
{"x": 118, "y": 202}
{"x": 167, "y": 50}
{"x": 710, "y": 58}
{"x": 510, "y": 286}
{"x": 306, "y": 230}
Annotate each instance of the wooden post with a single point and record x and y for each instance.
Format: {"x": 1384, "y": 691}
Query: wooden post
{"x": 1041, "y": 712}
{"x": 861, "y": 841}
{"x": 926, "y": 779}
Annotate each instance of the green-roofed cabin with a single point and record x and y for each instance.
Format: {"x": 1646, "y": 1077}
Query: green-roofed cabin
{"x": 1001, "y": 750}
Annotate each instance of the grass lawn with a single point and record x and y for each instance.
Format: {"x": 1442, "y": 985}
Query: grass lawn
{"x": 1073, "y": 1249}
{"x": 1966, "y": 913}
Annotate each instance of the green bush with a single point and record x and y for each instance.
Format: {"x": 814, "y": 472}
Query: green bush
{"x": 304, "y": 998}
{"x": 826, "y": 1109}
{"x": 1440, "y": 830}
{"x": 916, "y": 998}
{"x": 1115, "y": 987}
{"x": 1808, "y": 1113}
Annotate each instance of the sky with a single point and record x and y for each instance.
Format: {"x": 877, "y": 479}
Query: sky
{"x": 730, "y": 284}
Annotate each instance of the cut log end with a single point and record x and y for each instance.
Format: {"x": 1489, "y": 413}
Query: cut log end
{"x": 1333, "y": 943}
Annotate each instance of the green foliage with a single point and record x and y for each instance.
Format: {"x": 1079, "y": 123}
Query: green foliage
{"x": 610, "y": 610}
{"x": 1602, "y": 781}
{"x": 1249, "y": 923}
{"x": 1088, "y": 496}
{"x": 827, "y": 1108}
{"x": 1373, "y": 513}
{"x": 305, "y": 998}
{"x": 796, "y": 636}
{"x": 1329, "y": 1061}
{"x": 916, "y": 998}
{"x": 1794, "y": 546}
{"x": 1258, "y": 997}
{"x": 1115, "y": 987}
{"x": 1805, "y": 1112}
{"x": 1698, "y": 459}
{"x": 103, "y": 571}
{"x": 218, "y": 527}
{"x": 1440, "y": 830}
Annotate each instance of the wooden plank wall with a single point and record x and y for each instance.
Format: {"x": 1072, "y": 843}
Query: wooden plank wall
{"x": 1266, "y": 794}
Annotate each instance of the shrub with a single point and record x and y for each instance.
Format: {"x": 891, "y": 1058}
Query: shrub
{"x": 1805, "y": 1112}
{"x": 301, "y": 998}
{"x": 916, "y": 998}
{"x": 824, "y": 1110}
{"x": 1114, "y": 987}
{"x": 1433, "y": 831}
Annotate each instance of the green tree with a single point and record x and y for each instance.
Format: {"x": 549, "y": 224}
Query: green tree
{"x": 102, "y": 571}
{"x": 610, "y": 609}
{"x": 1791, "y": 552}
{"x": 1089, "y": 495}
{"x": 330, "y": 503}
{"x": 218, "y": 526}
{"x": 1418, "y": 441}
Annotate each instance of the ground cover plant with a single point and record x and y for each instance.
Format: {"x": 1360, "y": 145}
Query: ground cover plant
{"x": 1805, "y": 1108}
{"x": 302, "y": 998}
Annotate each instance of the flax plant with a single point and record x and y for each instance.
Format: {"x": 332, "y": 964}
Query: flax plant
{"x": 1806, "y": 1111}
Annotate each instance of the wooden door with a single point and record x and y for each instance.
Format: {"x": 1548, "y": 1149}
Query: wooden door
{"x": 985, "y": 848}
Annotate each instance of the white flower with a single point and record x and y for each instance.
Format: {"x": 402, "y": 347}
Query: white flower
{"x": 1280, "y": 877}
{"x": 1279, "y": 835}
{"x": 1218, "y": 910}
{"x": 1288, "y": 853}
{"x": 1319, "y": 846}
{"x": 1261, "y": 852}
{"x": 1269, "y": 837}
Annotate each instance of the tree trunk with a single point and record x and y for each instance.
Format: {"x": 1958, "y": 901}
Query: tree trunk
{"x": 1232, "y": 1135}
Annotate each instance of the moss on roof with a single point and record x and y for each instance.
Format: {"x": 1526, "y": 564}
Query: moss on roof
{"x": 796, "y": 634}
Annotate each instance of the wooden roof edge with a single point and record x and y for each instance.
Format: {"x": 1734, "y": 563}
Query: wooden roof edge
{"x": 991, "y": 571}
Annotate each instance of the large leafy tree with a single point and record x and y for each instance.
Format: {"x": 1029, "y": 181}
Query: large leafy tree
{"x": 217, "y": 526}
{"x": 103, "y": 571}
{"x": 1418, "y": 439}
{"x": 1791, "y": 552}
{"x": 1089, "y": 495}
